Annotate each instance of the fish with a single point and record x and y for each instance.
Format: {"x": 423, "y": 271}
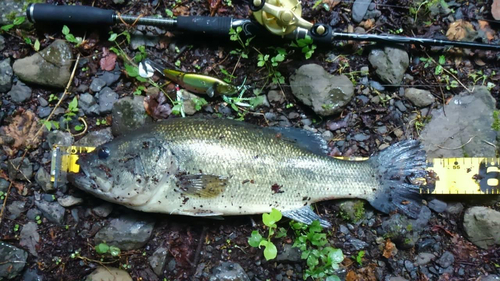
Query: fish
{"x": 194, "y": 82}
{"x": 221, "y": 167}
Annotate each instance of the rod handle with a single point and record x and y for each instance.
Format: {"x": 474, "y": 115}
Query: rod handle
{"x": 69, "y": 14}
{"x": 216, "y": 26}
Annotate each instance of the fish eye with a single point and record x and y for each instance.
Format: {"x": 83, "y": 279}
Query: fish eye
{"x": 103, "y": 153}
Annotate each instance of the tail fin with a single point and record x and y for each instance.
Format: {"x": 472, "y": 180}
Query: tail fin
{"x": 397, "y": 166}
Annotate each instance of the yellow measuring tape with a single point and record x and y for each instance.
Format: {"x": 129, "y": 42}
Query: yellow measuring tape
{"x": 474, "y": 175}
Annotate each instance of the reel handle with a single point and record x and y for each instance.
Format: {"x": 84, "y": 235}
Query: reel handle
{"x": 69, "y": 14}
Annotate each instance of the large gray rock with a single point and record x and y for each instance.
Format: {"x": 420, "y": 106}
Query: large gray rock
{"x": 390, "y": 64}
{"x": 88, "y": 105}
{"x": 12, "y": 261}
{"x": 25, "y": 170}
{"x": 189, "y": 105}
{"x": 49, "y": 67}
{"x": 158, "y": 260}
{"x": 96, "y": 138}
{"x": 418, "y": 97}
{"x": 467, "y": 116}
{"x": 60, "y": 138}
{"x": 127, "y": 232}
{"x": 107, "y": 99}
{"x": 359, "y": 9}
{"x": 30, "y": 237}
{"x": 5, "y": 75}
{"x": 20, "y": 93}
{"x": 42, "y": 177}
{"x": 128, "y": 115}
{"x": 326, "y": 94}
{"x": 481, "y": 225}
{"x": 228, "y": 271}
{"x": 108, "y": 274}
{"x": 52, "y": 211}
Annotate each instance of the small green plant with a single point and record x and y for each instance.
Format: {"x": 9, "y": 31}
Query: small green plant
{"x": 256, "y": 240}
{"x": 133, "y": 71}
{"x": 199, "y": 103}
{"x": 141, "y": 55}
{"x": 70, "y": 37}
{"x": 229, "y": 2}
{"x": 359, "y": 210}
{"x": 57, "y": 260}
{"x": 16, "y": 227}
{"x": 138, "y": 90}
{"x": 104, "y": 248}
{"x": 2, "y": 195}
{"x": 496, "y": 121}
{"x": 169, "y": 13}
{"x": 359, "y": 257}
{"x": 178, "y": 63}
{"x": 72, "y": 109}
{"x": 322, "y": 261}
{"x": 50, "y": 124}
{"x": 38, "y": 220}
{"x": 307, "y": 46}
{"x": 235, "y": 36}
{"x": 228, "y": 76}
{"x": 324, "y": 5}
{"x": 53, "y": 97}
{"x": 113, "y": 36}
{"x": 100, "y": 122}
{"x": 272, "y": 63}
{"x": 16, "y": 22}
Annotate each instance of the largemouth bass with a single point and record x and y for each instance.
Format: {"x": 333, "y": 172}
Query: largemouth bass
{"x": 195, "y": 167}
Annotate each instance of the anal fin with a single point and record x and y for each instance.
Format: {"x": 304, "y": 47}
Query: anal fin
{"x": 305, "y": 215}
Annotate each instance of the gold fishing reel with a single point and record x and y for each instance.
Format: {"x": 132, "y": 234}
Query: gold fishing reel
{"x": 280, "y": 17}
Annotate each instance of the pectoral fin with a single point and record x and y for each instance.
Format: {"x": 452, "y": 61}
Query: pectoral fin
{"x": 211, "y": 91}
{"x": 204, "y": 186}
{"x": 305, "y": 215}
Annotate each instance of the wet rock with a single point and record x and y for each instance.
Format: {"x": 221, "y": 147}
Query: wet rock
{"x": 289, "y": 254}
{"x": 481, "y": 225}
{"x": 33, "y": 213}
{"x": 399, "y": 229}
{"x": 128, "y": 115}
{"x": 326, "y": 94}
{"x": 88, "y": 105}
{"x": 399, "y": 105}
{"x": 107, "y": 98}
{"x": 4, "y": 185}
{"x": 437, "y": 206}
{"x": 96, "y": 138}
{"x": 20, "y": 92}
{"x": 108, "y": 274}
{"x": 446, "y": 260}
{"x": 68, "y": 201}
{"x": 25, "y": 170}
{"x": 398, "y": 278}
{"x": 32, "y": 275}
{"x": 358, "y": 244}
{"x": 30, "y": 237}
{"x": 424, "y": 258}
{"x": 42, "y": 177}
{"x": 49, "y": 67}
{"x": 275, "y": 96}
{"x": 490, "y": 277}
{"x": 229, "y": 271}
{"x": 376, "y": 85}
{"x": 2, "y": 43}
{"x": 360, "y": 137}
{"x": 110, "y": 77}
{"x": 59, "y": 138}
{"x": 327, "y": 135}
{"x": 420, "y": 98}
{"x": 158, "y": 260}
{"x": 52, "y": 211}
{"x": 97, "y": 85}
{"x": 423, "y": 218}
{"x": 467, "y": 115}
{"x": 455, "y": 208}
{"x": 139, "y": 39}
{"x": 103, "y": 210}
{"x": 495, "y": 9}
{"x": 43, "y": 112}
{"x": 127, "y": 232}
{"x": 359, "y": 9}
{"x": 5, "y": 75}
{"x": 390, "y": 64}
{"x": 42, "y": 101}
{"x": 189, "y": 106}
{"x": 352, "y": 210}
{"x": 8, "y": 254}
{"x": 15, "y": 209}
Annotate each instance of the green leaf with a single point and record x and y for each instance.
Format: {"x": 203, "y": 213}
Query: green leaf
{"x": 333, "y": 278}
{"x": 281, "y": 233}
{"x": 73, "y": 104}
{"x": 169, "y": 13}
{"x": 438, "y": 70}
{"x": 261, "y": 63}
{"x": 442, "y": 60}
{"x": 78, "y": 128}
{"x": 56, "y": 124}
{"x": 113, "y": 37}
{"x": 65, "y": 30}
{"x": 336, "y": 256}
{"x": 114, "y": 50}
{"x": 102, "y": 248}
{"x": 114, "y": 251}
{"x": 276, "y": 215}
{"x": 312, "y": 261}
{"x": 131, "y": 70}
{"x": 48, "y": 125}
{"x": 270, "y": 251}
{"x": 27, "y": 40}
{"x": 37, "y": 45}
{"x": 315, "y": 226}
{"x": 7, "y": 27}
{"x": 19, "y": 20}
{"x": 255, "y": 239}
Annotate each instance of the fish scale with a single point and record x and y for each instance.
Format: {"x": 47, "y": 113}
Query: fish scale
{"x": 219, "y": 167}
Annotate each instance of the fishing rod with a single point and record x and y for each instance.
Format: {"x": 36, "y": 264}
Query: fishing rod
{"x": 281, "y": 18}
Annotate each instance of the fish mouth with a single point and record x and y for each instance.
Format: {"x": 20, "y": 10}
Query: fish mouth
{"x": 82, "y": 180}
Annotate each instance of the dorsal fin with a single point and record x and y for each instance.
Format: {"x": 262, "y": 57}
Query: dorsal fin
{"x": 308, "y": 140}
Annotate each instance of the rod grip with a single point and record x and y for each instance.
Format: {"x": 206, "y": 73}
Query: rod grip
{"x": 217, "y": 26}
{"x": 69, "y": 14}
